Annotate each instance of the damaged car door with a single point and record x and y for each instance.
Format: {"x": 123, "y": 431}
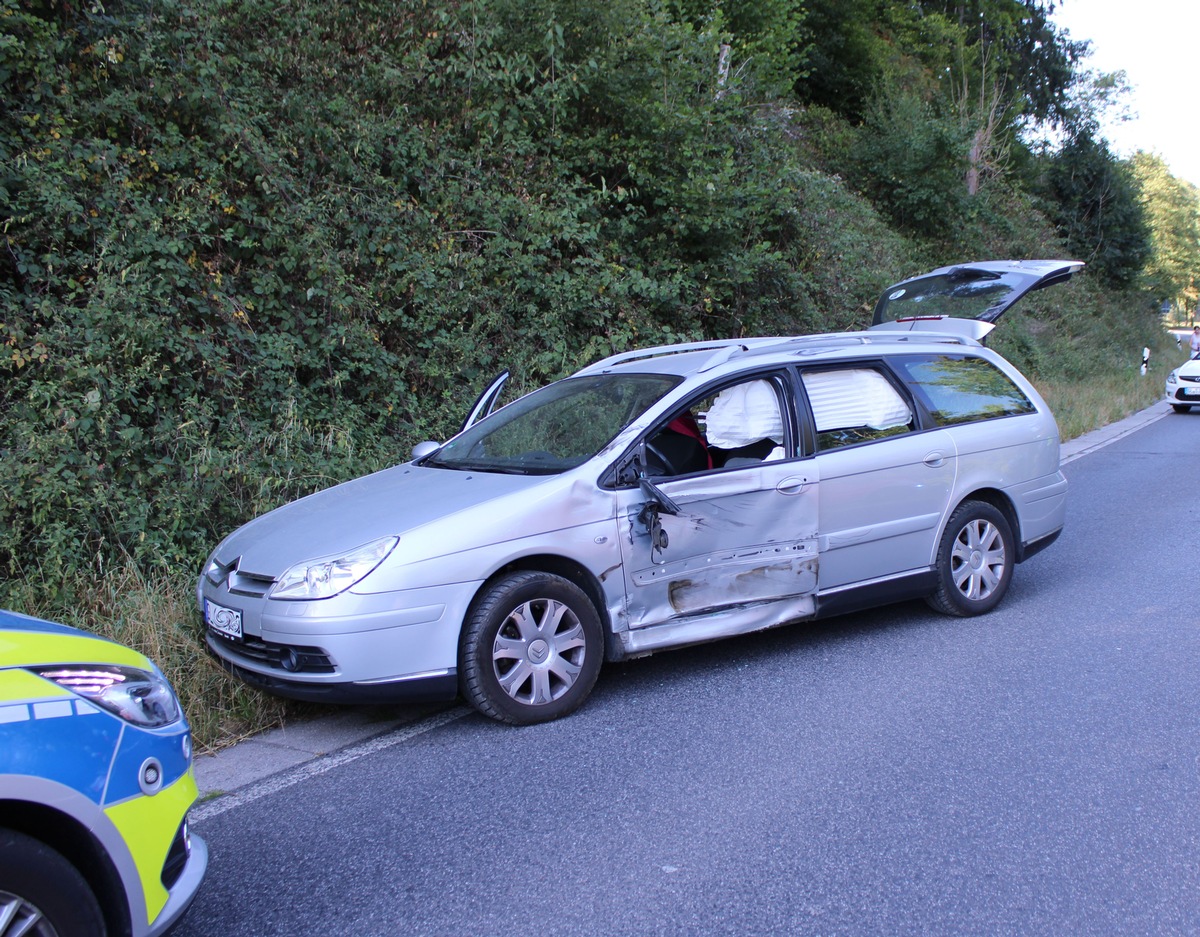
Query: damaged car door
{"x": 730, "y": 546}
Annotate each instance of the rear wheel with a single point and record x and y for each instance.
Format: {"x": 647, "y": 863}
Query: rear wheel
{"x": 42, "y": 894}
{"x": 530, "y": 650}
{"x": 1181, "y": 407}
{"x": 975, "y": 560}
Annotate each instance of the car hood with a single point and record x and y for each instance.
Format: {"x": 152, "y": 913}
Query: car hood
{"x": 26, "y": 642}
{"x": 386, "y": 504}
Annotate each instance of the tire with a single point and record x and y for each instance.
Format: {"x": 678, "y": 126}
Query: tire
{"x": 530, "y": 649}
{"x": 42, "y": 894}
{"x": 1181, "y": 407}
{"x": 974, "y": 562}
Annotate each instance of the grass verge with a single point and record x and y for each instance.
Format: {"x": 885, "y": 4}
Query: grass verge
{"x": 156, "y": 615}
{"x": 1080, "y": 407}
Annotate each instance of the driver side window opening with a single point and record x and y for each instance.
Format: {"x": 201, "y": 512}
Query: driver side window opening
{"x": 736, "y": 426}
{"x": 854, "y": 405}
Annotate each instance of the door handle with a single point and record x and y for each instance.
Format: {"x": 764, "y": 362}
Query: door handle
{"x": 935, "y": 460}
{"x": 792, "y": 485}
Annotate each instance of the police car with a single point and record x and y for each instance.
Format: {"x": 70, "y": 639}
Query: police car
{"x": 95, "y": 783}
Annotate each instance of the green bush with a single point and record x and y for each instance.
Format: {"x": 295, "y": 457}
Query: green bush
{"x": 252, "y": 250}
{"x": 911, "y": 161}
{"x": 237, "y": 270}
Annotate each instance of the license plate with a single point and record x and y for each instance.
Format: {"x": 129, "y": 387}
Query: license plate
{"x": 226, "y": 621}
{"x": 1191, "y": 392}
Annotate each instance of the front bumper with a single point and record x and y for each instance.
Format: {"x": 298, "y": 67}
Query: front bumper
{"x": 419, "y": 688}
{"x": 168, "y": 864}
{"x": 1182, "y": 392}
{"x": 349, "y": 648}
{"x": 184, "y": 889}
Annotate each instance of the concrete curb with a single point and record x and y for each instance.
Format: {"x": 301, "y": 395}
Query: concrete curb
{"x": 287, "y": 748}
{"x": 1098, "y": 438}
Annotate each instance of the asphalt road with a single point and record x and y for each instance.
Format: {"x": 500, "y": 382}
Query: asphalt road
{"x": 1034, "y": 771}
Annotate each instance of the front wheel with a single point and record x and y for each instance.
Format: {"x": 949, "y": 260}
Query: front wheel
{"x": 1181, "y": 407}
{"x": 974, "y": 561}
{"x": 42, "y": 894}
{"x": 530, "y": 650}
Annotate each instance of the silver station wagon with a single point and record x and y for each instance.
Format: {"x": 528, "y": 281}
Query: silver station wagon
{"x": 657, "y": 499}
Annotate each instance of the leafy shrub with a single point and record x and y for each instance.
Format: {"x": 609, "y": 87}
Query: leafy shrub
{"x": 251, "y": 251}
{"x": 911, "y": 161}
{"x": 238, "y": 270}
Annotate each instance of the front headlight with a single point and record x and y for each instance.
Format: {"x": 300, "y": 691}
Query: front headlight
{"x": 137, "y": 696}
{"x": 321, "y": 579}
{"x": 1172, "y": 377}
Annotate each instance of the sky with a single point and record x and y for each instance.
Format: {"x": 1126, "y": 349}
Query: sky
{"x": 1157, "y": 44}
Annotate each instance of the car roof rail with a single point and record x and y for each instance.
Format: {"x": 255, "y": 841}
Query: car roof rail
{"x": 726, "y": 349}
{"x": 882, "y": 336}
{"x": 814, "y": 344}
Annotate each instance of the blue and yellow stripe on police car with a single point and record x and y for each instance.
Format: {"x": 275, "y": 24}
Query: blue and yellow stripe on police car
{"x": 148, "y": 825}
{"x": 53, "y": 734}
{"x": 53, "y": 644}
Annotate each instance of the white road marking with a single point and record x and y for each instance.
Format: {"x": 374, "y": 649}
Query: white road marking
{"x": 285, "y": 779}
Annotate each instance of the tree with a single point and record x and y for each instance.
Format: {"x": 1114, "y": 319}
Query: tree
{"x": 1019, "y": 41}
{"x": 845, "y": 58}
{"x": 1172, "y": 210}
{"x": 765, "y": 36}
{"x": 911, "y": 161}
{"x": 1094, "y": 203}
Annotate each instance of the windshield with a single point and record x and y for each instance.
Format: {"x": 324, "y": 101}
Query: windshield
{"x": 555, "y": 428}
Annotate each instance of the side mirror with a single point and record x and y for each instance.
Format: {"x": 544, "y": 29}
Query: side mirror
{"x": 652, "y": 511}
{"x": 658, "y": 497}
{"x": 422, "y": 449}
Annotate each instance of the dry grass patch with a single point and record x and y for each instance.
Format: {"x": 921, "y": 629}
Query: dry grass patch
{"x": 157, "y": 616}
{"x": 1082, "y": 406}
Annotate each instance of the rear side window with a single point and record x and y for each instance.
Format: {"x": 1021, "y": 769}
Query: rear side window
{"x": 963, "y": 389}
{"x": 853, "y": 405}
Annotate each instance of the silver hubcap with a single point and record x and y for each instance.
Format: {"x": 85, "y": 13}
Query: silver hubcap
{"x": 18, "y": 918}
{"x": 538, "y": 651}
{"x": 977, "y": 562}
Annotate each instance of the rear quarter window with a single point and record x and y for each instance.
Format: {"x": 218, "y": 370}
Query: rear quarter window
{"x": 960, "y": 389}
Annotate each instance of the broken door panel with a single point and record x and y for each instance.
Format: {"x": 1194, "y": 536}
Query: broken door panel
{"x": 740, "y": 537}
